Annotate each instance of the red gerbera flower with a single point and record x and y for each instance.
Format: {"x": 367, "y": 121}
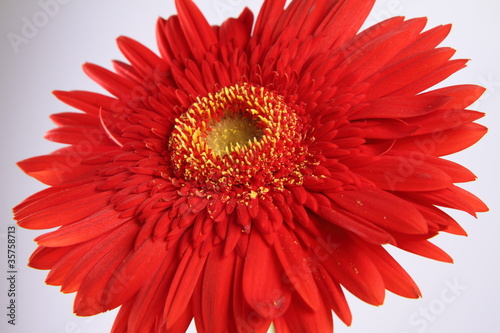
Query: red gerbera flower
{"x": 251, "y": 170}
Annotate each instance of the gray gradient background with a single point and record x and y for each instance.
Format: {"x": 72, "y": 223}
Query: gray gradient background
{"x": 85, "y": 31}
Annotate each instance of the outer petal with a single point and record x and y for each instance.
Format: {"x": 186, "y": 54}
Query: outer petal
{"x": 245, "y": 317}
{"x": 441, "y": 143}
{"x": 147, "y": 306}
{"x": 395, "y": 77}
{"x": 398, "y": 173}
{"x": 395, "y": 277}
{"x": 268, "y": 297}
{"x": 133, "y": 271}
{"x": 182, "y": 286}
{"x": 91, "y": 295}
{"x": 352, "y": 268}
{"x": 148, "y": 64}
{"x": 297, "y": 269}
{"x": 88, "y": 102}
{"x": 95, "y": 225}
{"x": 54, "y": 207}
{"x": 118, "y": 86}
{"x": 217, "y": 291}
{"x": 57, "y": 170}
{"x": 197, "y": 31}
{"x": 300, "y": 318}
{"x": 422, "y": 247}
{"x": 383, "y": 209}
{"x": 333, "y": 295}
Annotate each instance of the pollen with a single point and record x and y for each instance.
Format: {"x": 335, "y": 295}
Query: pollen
{"x": 232, "y": 133}
{"x": 243, "y": 138}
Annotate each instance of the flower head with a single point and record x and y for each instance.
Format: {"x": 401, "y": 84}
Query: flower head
{"x": 251, "y": 170}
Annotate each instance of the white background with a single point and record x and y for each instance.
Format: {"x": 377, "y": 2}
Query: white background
{"x": 81, "y": 31}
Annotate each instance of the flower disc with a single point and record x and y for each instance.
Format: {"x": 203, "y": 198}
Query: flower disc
{"x": 242, "y": 138}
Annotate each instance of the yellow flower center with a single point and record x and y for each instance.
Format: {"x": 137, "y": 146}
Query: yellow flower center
{"x": 232, "y": 133}
{"x": 242, "y": 138}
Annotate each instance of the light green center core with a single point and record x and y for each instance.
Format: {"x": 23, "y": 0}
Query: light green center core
{"x": 232, "y": 133}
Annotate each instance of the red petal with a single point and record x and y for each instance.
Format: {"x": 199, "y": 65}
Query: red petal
{"x": 457, "y": 173}
{"x": 46, "y": 257}
{"x": 41, "y": 210}
{"x": 400, "y": 107}
{"x": 88, "y": 102}
{"x": 199, "y": 35}
{"x": 396, "y": 279}
{"x": 245, "y": 317}
{"x": 85, "y": 263}
{"x": 74, "y": 119}
{"x": 91, "y": 295}
{"x": 387, "y": 129}
{"x": 136, "y": 268}
{"x": 246, "y": 18}
{"x": 57, "y": 170}
{"x": 115, "y": 84}
{"x": 182, "y": 286}
{"x": 383, "y": 209}
{"x": 262, "y": 284}
{"x": 127, "y": 71}
{"x": 442, "y": 120}
{"x": 61, "y": 270}
{"x": 404, "y": 174}
{"x": 273, "y": 213}
{"x": 120, "y": 325}
{"x": 477, "y": 204}
{"x": 453, "y": 197}
{"x": 180, "y": 326}
{"x": 427, "y": 40}
{"x": 373, "y": 55}
{"x": 399, "y": 75}
{"x": 148, "y": 305}
{"x": 65, "y": 212}
{"x": 300, "y": 18}
{"x": 351, "y": 222}
{"x": 299, "y": 318}
{"x": 234, "y": 31}
{"x": 462, "y": 95}
{"x": 217, "y": 291}
{"x": 78, "y": 135}
{"x": 233, "y": 235}
{"x": 352, "y": 267}
{"x": 435, "y": 77}
{"x": 162, "y": 40}
{"x": 333, "y": 294}
{"x": 441, "y": 143}
{"x": 93, "y": 226}
{"x": 445, "y": 222}
{"x": 270, "y": 12}
{"x": 297, "y": 269}
{"x": 424, "y": 248}
{"x": 345, "y": 20}
{"x": 142, "y": 59}
{"x": 171, "y": 41}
